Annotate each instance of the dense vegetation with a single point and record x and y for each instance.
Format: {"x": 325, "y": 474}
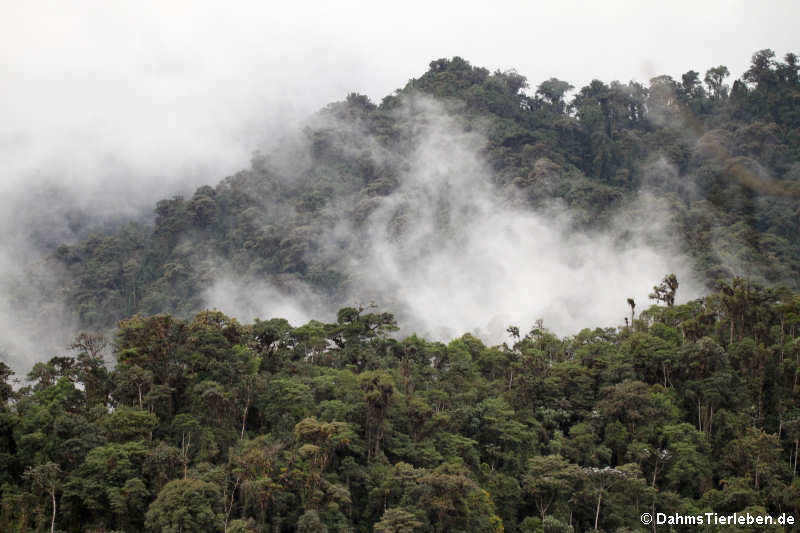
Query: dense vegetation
{"x": 212, "y": 425}
{"x": 188, "y": 420}
{"x": 723, "y": 160}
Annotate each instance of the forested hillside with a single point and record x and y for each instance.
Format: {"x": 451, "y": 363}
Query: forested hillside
{"x": 166, "y": 416}
{"x": 211, "y": 425}
{"x": 719, "y": 161}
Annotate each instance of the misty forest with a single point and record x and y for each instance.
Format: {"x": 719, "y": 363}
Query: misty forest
{"x": 397, "y": 320}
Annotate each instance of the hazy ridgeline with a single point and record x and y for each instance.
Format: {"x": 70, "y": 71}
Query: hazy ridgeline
{"x": 463, "y": 202}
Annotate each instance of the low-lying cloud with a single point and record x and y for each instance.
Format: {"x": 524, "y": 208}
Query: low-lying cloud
{"x": 108, "y": 109}
{"x": 465, "y": 259}
{"x": 448, "y": 252}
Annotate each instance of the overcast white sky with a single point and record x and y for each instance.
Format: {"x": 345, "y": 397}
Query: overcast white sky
{"x": 164, "y": 91}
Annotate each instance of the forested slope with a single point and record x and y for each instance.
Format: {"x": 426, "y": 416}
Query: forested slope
{"x": 185, "y": 419}
{"x": 722, "y": 162}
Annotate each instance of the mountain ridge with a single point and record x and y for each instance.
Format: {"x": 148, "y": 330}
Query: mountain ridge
{"x": 725, "y": 176}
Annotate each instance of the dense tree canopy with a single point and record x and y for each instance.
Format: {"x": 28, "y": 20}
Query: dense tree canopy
{"x": 212, "y": 425}
{"x": 184, "y": 420}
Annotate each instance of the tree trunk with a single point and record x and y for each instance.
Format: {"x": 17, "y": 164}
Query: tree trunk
{"x": 230, "y": 507}
{"x": 653, "y": 514}
{"x": 185, "y": 443}
{"x": 543, "y": 507}
{"x": 244, "y": 419}
{"x": 597, "y": 513}
{"x": 710, "y": 419}
{"x": 699, "y": 416}
{"x": 53, "y": 518}
{"x": 655, "y": 473}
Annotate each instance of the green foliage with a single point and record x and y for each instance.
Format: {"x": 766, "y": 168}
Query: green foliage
{"x": 206, "y": 424}
{"x": 692, "y": 408}
{"x": 724, "y": 159}
{"x": 185, "y": 505}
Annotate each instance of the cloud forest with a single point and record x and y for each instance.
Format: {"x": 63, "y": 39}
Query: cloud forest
{"x": 482, "y": 304}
